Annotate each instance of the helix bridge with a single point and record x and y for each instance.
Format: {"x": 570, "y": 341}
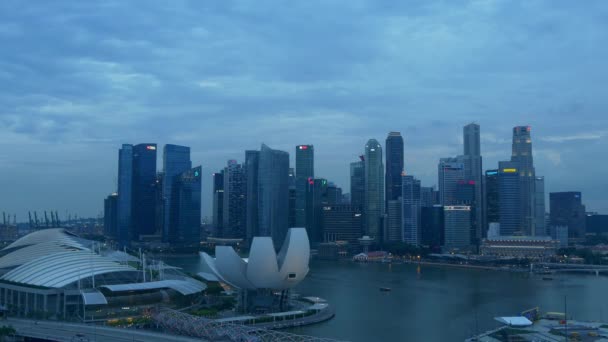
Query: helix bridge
{"x": 180, "y": 323}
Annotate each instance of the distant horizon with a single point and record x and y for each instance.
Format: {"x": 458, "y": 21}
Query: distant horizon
{"x": 81, "y": 78}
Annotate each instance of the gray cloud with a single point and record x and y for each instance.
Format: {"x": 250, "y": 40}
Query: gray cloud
{"x": 80, "y": 78}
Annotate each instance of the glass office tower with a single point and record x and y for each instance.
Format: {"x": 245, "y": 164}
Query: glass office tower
{"x": 509, "y": 199}
{"x": 235, "y": 202}
{"x": 186, "y": 216}
{"x": 411, "y": 210}
{"x": 305, "y": 170}
{"x": 125, "y": 195}
{"x": 394, "y": 165}
{"x": 176, "y": 160}
{"x": 144, "y": 180}
{"x": 374, "y": 189}
{"x": 273, "y": 194}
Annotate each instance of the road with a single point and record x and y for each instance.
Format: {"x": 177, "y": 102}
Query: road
{"x": 61, "y": 331}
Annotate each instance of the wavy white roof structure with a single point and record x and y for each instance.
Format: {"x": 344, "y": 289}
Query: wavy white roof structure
{"x": 54, "y": 258}
{"x": 26, "y": 254}
{"x": 64, "y": 268}
{"x": 58, "y": 235}
{"x": 264, "y": 269}
{"x": 57, "y": 259}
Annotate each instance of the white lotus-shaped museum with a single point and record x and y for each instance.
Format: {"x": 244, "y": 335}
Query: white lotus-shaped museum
{"x": 263, "y": 269}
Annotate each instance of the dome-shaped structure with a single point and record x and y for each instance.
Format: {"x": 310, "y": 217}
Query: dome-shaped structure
{"x": 264, "y": 269}
{"x": 39, "y": 244}
{"x": 54, "y": 272}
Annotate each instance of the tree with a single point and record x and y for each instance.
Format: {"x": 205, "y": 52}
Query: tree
{"x": 6, "y": 331}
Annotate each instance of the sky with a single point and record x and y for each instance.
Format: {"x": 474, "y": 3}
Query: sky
{"x": 80, "y": 78}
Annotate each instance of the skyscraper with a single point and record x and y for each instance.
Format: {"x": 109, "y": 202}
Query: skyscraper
{"x": 342, "y": 222}
{"x": 110, "y": 217}
{"x": 124, "y": 233}
{"x": 466, "y": 194}
{"x": 176, "y": 160}
{"x": 491, "y": 202}
{"x": 450, "y": 171}
{"x": 539, "y": 200}
{"x": 374, "y": 189}
{"x": 410, "y": 216}
{"x": 472, "y": 146}
{"x": 159, "y": 204}
{"x": 318, "y": 200}
{"x": 357, "y": 183}
{"x": 596, "y": 223}
{"x": 522, "y": 155}
{"x": 292, "y": 198}
{"x": 432, "y": 227}
{"x": 473, "y": 172}
{"x": 509, "y": 199}
{"x": 305, "y": 170}
{"x": 185, "y": 225}
{"x": 394, "y": 223}
{"x": 305, "y": 161}
{"x": 568, "y": 210}
{"x": 218, "y": 202}
{"x": 273, "y": 194}
{"x": 457, "y": 220}
{"x": 394, "y": 165}
{"x": 252, "y": 164}
{"x": 144, "y": 190}
{"x": 334, "y": 194}
{"x": 427, "y": 196}
{"x": 235, "y": 202}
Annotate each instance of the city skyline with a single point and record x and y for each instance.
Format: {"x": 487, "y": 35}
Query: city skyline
{"x": 207, "y": 196}
{"x": 72, "y": 103}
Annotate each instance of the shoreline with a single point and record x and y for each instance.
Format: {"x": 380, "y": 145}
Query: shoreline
{"x": 446, "y": 264}
{"x": 478, "y": 267}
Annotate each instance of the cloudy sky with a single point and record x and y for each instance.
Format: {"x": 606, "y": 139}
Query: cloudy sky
{"x": 79, "y": 78}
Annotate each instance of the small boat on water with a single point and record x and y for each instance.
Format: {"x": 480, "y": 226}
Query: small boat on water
{"x": 385, "y": 289}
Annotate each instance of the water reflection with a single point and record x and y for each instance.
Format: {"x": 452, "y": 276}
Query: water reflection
{"x": 446, "y": 304}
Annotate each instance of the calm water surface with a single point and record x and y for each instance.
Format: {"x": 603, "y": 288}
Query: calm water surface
{"x": 433, "y": 303}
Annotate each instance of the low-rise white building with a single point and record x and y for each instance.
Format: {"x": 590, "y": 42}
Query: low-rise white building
{"x": 519, "y": 246}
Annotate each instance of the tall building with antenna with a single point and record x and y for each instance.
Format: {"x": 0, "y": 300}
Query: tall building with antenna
{"x": 522, "y": 156}
{"x": 472, "y": 161}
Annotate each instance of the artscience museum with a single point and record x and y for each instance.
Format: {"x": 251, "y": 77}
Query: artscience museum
{"x": 265, "y": 277}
